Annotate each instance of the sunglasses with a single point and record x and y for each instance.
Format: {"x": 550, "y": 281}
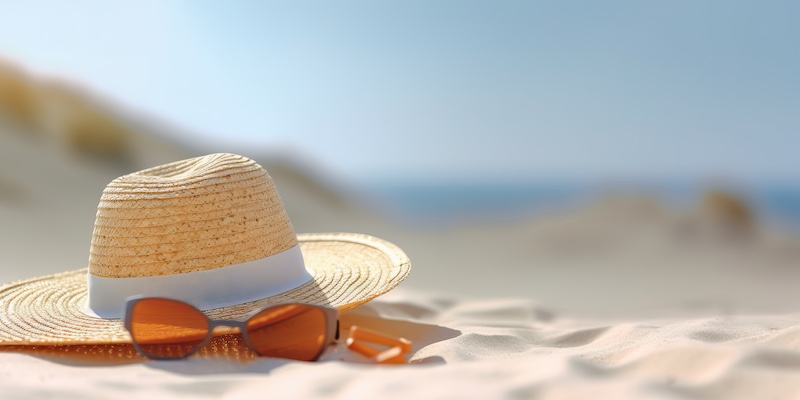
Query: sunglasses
{"x": 167, "y": 329}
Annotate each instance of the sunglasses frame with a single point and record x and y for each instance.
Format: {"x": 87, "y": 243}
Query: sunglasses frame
{"x": 331, "y": 321}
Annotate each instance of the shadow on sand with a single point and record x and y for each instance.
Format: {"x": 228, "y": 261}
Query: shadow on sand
{"x": 228, "y": 354}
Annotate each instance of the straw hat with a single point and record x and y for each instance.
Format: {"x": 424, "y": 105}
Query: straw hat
{"x": 211, "y": 231}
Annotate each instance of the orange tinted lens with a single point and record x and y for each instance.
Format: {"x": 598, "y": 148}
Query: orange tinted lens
{"x": 297, "y": 332}
{"x": 167, "y": 329}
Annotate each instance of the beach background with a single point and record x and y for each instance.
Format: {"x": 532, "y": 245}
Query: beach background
{"x": 605, "y": 194}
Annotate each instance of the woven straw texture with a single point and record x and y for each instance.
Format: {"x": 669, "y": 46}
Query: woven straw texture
{"x": 197, "y": 214}
{"x": 193, "y": 215}
{"x": 348, "y": 270}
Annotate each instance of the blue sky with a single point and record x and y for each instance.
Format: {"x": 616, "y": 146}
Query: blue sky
{"x": 449, "y": 89}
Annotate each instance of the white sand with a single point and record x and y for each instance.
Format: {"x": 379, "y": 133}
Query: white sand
{"x": 470, "y": 349}
{"x": 620, "y": 300}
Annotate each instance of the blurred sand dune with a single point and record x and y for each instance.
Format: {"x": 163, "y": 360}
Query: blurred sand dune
{"x": 60, "y": 144}
{"x": 601, "y": 274}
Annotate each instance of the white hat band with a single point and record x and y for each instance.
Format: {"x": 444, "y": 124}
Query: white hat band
{"x": 206, "y": 290}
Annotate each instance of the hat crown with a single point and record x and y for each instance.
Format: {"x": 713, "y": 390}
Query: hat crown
{"x": 193, "y": 215}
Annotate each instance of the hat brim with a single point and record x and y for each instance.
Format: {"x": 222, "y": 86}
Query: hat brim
{"x": 349, "y": 270}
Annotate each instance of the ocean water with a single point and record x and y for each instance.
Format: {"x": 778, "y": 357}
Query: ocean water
{"x": 774, "y": 204}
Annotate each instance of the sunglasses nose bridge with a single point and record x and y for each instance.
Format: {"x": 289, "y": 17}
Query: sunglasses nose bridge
{"x": 226, "y": 325}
